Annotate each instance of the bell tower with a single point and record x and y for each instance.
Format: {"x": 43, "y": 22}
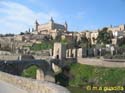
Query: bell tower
{"x": 51, "y": 23}
{"x": 66, "y": 26}
{"x": 36, "y": 25}
{"x": 51, "y": 20}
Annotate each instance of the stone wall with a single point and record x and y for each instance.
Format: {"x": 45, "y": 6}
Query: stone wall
{"x": 9, "y": 57}
{"x": 16, "y": 57}
{"x": 114, "y": 63}
{"x": 32, "y": 85}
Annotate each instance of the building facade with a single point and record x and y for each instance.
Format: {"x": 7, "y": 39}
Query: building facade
{"x": 51, "y": 28}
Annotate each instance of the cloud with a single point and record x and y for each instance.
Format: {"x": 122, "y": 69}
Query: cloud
{"x": 15, "y": 17}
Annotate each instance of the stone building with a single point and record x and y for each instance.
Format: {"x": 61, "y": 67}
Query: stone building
{"x": 19, "y": 37}
{"x": 94, "y": 36}
{"x": 59, "y": 51}
{"x": 88, "y": 34}
{"x": 68, "y": 36}
{"x": 116, "y": 28}
{"x": 51, "y": 28}
{"x": 117, "y": 31}
{"x": 5, "y": 43}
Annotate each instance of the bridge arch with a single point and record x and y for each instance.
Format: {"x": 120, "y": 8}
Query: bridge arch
{"x": 40, "y": 64}
{"x": 17, "y": 67}
{"x": 31, "y": 71}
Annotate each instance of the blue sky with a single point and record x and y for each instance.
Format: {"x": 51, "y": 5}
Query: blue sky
{"x": 20, "y": 15}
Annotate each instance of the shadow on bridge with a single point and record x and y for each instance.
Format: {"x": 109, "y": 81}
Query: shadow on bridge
{"x": 17, "y": 67}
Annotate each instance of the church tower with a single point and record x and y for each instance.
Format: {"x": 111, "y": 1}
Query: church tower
{"x": 36, "y": 25}
{"x": 51, "y": 22}
{"x": 66, "y": 26}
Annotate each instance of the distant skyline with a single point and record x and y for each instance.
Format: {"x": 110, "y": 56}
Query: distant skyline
{"x": 19, "y": 15}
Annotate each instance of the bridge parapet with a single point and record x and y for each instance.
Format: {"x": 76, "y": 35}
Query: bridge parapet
{"x": 32, "y": 85}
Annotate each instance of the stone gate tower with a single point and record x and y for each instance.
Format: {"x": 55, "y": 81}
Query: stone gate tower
{"x": 59, "y": 51}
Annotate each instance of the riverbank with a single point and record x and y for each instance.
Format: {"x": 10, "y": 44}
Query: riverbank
{"x": 85, "y": 74}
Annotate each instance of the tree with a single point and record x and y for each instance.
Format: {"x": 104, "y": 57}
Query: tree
{"x": 64, "y": 41}
{"x": 22, "y": 33}
{"x": 57, "y": 38}
{"x": 9, "y": 34}
{"x": 46, "y": 38}
{"x": 121, "y": 42}
{"x": 85, "y": 42}
{"x": 105, "y": 36}
{"x": 27, "y": 32}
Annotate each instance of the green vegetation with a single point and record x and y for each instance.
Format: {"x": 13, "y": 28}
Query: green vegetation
{"x": 64, "y": 41}
{"x": 122, "y": 46}
{"x": 41, "y": 46}
{"x": 30, "y": 72}
{"x": 85, "y": 42}
{"x": 104, "y": 36}
{"x": 76, "y": 90}
{"x": 85, "y": 75}
{"x": 121, "y": 42}
{"x": 82, "y": 90}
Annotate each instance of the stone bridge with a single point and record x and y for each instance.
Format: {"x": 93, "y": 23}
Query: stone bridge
{"x": 29, "y": 85}
{"x": 16, "y": 67}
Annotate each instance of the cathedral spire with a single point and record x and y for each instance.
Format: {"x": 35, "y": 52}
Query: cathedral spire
{"x": 36, "y": 22}
{"x": 36, "y": 25}
{"x": 51, "y": 19}
{"x": 66, "y": 25}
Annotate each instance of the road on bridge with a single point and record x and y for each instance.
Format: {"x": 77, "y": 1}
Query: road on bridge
{"x": 8, "y": 88}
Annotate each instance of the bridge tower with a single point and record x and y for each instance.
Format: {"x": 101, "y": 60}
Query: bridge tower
{"x": 59, "y": 51}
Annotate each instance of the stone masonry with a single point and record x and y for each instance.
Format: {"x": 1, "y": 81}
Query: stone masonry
{"x": 32, "y": 85}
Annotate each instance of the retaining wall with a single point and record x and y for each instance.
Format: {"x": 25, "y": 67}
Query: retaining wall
{"x": 102, "y": 62}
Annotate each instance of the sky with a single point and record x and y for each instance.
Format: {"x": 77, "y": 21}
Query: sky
{"x": 19, "y": 15}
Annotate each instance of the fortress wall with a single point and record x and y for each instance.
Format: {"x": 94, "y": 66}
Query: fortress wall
{"x": 44, "y": 27}
{"x": 32, "y": 85}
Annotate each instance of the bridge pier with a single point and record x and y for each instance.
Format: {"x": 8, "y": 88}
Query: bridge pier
{"x": 40, "y": 75}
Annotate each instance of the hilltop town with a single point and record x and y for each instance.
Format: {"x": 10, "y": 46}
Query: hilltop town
{"x": 52, "y": 32}
{"x": 62, "y": 46}
{"x": 48, "y": 51}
